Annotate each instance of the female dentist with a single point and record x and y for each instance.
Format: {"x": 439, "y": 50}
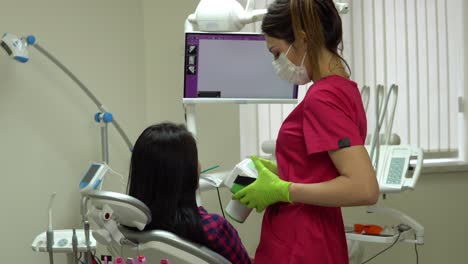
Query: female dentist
{"x": 322, "y": 163}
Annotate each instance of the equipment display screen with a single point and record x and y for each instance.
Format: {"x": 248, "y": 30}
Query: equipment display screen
{"x": 91, "y": 172}
{"x": 229, "y": 66}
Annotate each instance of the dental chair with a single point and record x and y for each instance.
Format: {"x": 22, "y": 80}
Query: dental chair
{"x": 119, "y": 221}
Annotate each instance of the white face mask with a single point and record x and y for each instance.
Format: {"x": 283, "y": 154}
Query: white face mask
{"x": 288, "y": 71}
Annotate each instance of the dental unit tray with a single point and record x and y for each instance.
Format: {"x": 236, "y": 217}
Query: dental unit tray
{"x": 62, "y": 242}
{"x": 412, "y": 233}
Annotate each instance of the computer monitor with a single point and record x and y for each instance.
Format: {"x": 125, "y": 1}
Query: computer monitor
{"x": 232, "y": 68}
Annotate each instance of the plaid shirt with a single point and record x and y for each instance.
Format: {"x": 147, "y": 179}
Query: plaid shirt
{"x": 223, "y": 238}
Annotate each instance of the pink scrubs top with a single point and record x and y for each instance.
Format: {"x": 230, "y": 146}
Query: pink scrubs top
{"x": 331, "y": 117}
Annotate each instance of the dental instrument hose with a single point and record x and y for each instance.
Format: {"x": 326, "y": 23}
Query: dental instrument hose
{"x": 220, "y": 203}
{"x": 50, "y": 231}
{"x": 381, "y": 252}
{"x": 217, "y": 189}
{"x": 416, "y": 249}
{"x": 85, "y": 221}
{"x": 88, "y": 253}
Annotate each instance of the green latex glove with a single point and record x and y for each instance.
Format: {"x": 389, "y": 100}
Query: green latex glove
{"x": 266, "y": 190}
{"x": 270, "y": 165}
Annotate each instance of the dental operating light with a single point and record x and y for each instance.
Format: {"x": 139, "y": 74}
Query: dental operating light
{"x": 230, "y": 15}
{"x": 16, "y": 47}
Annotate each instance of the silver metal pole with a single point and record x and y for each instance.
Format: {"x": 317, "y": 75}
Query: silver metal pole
{"x": 84, "y": 215}
{"x": 88, "y": 248}
{"x": 105, "y": 143}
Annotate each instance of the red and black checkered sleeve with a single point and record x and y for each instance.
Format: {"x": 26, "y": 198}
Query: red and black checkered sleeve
{"x": 224, "y": 239}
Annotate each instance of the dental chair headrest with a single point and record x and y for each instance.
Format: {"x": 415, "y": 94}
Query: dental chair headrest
{"x": 127, "y": 210}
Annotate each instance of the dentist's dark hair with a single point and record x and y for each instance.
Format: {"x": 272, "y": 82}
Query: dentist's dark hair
{"x": 164, "y": 176}
{"x": 318, "y": 19}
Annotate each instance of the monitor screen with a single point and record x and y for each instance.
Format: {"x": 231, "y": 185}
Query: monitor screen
{"x": 232, "y": 68}
{"x": 91, "y": 173}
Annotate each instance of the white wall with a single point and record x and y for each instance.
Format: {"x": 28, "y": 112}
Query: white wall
{"x": 48, "y": 136}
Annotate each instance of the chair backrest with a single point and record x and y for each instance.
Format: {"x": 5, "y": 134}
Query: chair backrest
{"x": 146, "y": 239}
{"x": 116, "y": 215}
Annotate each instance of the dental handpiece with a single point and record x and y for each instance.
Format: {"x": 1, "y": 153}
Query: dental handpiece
{"x": 50, "y": 231}
{"x": 50, "y": 244}
{"x": 75, "y": 246}
{"x": 88, "y": 256}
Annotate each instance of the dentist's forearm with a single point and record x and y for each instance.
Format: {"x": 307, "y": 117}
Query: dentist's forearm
{"x": 339, "y": 192}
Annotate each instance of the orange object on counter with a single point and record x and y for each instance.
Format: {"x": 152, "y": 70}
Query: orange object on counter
{"x": 368, "y": 229}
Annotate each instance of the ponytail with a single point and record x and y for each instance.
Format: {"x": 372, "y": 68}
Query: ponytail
{"x": 306, "y": 20}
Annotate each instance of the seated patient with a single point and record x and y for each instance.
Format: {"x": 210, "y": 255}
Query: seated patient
{"x": 164, "y": 173}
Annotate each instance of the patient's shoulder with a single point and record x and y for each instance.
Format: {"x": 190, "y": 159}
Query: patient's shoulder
{"x": 223, "y": 238}
{"x": 209, "y": 217}
{"x": 213, "y": 223}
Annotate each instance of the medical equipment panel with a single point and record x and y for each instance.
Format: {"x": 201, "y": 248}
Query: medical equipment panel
{"x": 231, "y": 67}
{"x": 93, "y": 177}
{"x": 396, "y": 172}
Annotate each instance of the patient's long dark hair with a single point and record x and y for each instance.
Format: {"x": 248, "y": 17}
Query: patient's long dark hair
{"x": 164, "y": 176}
